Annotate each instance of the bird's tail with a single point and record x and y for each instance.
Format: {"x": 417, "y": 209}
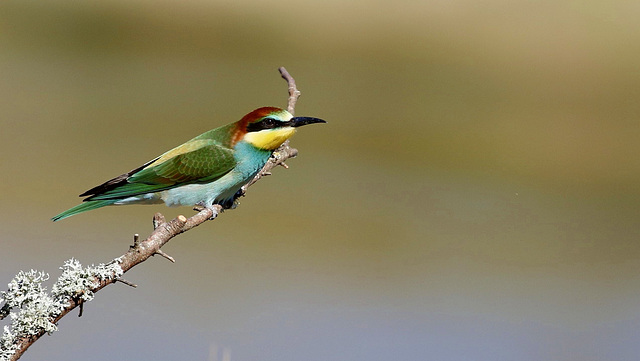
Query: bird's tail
{"x": 83, "y": 207}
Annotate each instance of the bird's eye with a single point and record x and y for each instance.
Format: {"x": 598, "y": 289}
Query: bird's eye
{"x": 269, "y": 122}
{"x": 265, "y": 123}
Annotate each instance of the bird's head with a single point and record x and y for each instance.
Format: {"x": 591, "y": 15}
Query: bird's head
{"x": 269, "y": 127}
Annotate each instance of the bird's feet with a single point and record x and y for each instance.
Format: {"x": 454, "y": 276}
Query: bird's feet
{"x": 201, "y": 206}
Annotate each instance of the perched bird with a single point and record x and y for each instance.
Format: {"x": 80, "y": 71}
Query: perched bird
{"x": 209, "y": 169}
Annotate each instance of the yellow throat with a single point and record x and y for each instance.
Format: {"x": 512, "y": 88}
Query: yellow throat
{"x": 269, "y": 139}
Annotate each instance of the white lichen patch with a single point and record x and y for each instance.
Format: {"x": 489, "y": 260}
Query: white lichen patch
{"x": 32, "y": 310}
{"x": 26, "y": 287}
{"x": 77, "y": 282}
{"x": 8, "y": 345}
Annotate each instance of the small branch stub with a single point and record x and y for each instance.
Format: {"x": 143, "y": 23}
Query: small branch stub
{"x": 130, "y": 284}
{"x": 165, "y": 255}
{"x": 158, "y": 220}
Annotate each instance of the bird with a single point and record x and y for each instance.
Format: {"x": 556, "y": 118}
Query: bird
{"x": 208, "y": 169}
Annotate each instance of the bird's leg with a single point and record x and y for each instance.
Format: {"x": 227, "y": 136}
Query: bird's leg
{"x": 201, "y": 206}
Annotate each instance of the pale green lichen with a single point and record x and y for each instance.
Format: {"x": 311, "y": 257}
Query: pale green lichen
{"x": 26, "y": 287}
{"x": 32, "y": 309}
{"x": 76, "y": 282}
{"x": 8, "y": 344}
{"x": 26, "y": 294}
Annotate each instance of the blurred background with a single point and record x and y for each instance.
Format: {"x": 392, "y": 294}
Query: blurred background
{"x": 474, "y": 195}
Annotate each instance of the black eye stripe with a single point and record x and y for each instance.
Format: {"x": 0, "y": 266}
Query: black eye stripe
{"x": 266, "y": 123}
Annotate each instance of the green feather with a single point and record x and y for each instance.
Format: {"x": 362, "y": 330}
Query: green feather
{"x": 129, "y": 190}
{"x": 83, "y": 207}
{"x": 197, "y": 161}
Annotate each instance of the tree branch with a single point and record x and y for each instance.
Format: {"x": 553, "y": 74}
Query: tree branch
{"x": 103, "y": 275}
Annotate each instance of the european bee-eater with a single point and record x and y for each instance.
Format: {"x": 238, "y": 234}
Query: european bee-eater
{"x": 209, "y": 169}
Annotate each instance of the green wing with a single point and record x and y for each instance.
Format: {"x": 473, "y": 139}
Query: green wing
{"x": 197, "y": 161}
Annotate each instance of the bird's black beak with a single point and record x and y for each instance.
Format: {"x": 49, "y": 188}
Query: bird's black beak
{"x": 300, "y": 121}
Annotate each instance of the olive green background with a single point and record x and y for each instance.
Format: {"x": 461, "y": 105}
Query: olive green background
{"x": 474, "y": 195}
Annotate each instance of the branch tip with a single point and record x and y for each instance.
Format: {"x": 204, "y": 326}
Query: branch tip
{"x": 294, "y": 93}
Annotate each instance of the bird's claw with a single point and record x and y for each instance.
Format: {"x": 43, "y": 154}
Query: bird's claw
{"x": 200, "y": 206}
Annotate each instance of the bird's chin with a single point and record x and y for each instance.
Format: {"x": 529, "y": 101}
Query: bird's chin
{"x": 269, "y": 139}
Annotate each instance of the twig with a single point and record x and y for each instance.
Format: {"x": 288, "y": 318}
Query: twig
{"x": 130, "y": 284}
{"x": 165, "y": 255}
{"x": 294, "y": 93}
{"x": 164, "y": 231}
